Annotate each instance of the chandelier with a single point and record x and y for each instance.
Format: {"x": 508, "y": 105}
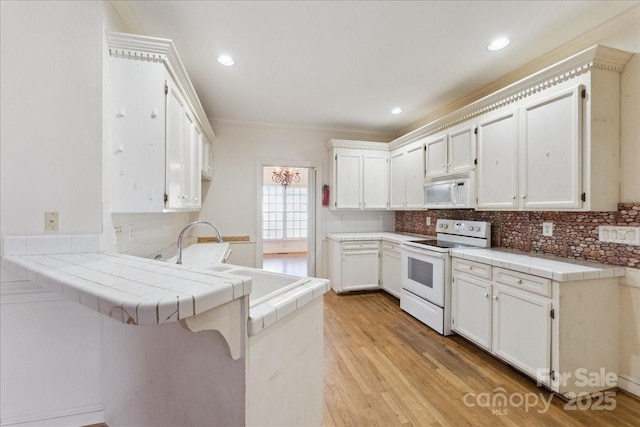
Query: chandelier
{"x": 285, "y": 176}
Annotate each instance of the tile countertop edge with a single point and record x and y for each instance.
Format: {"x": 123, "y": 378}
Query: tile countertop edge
{"x": 158, "y": 300}
{"x": 386, "y": 236}
{"x": 555, "y": 268}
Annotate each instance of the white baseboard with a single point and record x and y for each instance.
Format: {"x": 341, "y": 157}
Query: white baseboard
{"x": 79, "y": 416}
{"x": 629, "y": 384}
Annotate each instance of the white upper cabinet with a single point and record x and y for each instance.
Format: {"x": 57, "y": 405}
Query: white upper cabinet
{"x": 436, "y": 159}
{"x": 348, "y": 168}
{"x": 375, "y": 180}
{"x": 359, "y": 174}
{"x": 451, "y": 153}
{"x": 158, "y": 128}
{"x": 550, "y": 141}
{"x": 407, "y": 176}
{"x": 206, "y": 156}
{"x": 137, "y": 141}
{"x": 531, "y": 157}
{"x": 497, "y": 162}
{"x": 551, "y": 152}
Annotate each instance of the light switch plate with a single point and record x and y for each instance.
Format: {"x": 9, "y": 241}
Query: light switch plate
{"x": 51, "y": 221}
{"x": 619, "y": 234}
{"x": 547, "y": 229}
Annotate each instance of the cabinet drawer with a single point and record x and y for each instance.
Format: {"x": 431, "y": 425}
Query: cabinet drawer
{"x": 535, "y": 284}
{"x": 391, "y": 247}
{"x": 472, "y": 268}
{"x": 351, "y": 246}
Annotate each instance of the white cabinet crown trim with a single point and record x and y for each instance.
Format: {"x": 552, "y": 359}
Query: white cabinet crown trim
{"x": 595, "y": 57}
{"x": 155, "y": 49}
{"x": 359, "y": 145}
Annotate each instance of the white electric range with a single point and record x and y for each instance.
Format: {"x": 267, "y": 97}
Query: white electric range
{"x": 426, "y": 270}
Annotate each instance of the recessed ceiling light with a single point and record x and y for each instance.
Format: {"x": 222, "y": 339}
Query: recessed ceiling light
{"x": 226, "y": 60}
{"x": 499, "y": 43}
{"x": 396, "y": 110}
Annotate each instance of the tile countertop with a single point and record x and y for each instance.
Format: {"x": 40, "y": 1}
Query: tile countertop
{"x": 555, "y": 268}
{"x": 380, "y": 235}
{"x": 130, "y": 289}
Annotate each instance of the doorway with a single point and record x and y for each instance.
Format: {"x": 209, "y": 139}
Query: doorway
{"x": 286, "y": 219}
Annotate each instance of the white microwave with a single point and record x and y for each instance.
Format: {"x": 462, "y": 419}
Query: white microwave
{"x": 449, "y": 193}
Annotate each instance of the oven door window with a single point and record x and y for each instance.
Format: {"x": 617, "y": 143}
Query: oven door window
{"x": 421, "y": 272}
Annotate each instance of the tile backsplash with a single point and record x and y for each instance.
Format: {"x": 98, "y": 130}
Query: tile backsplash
{"x": 147, "y": 234}
{"x": 575, "y": 234}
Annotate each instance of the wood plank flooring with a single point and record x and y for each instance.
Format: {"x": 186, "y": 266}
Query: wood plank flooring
{"x": 291, "y": 263}
{"x": 384, "y": 368}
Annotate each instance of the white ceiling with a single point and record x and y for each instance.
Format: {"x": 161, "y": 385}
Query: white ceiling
{"x": 346, "y": 64}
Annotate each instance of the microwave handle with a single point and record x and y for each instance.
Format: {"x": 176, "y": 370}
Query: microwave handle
{"x": 454, "y": 199}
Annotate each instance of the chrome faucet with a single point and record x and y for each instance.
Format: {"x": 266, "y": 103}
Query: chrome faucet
{"x": 188, "y": 227}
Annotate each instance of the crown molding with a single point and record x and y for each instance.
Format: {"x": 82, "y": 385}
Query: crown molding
{"x": 145, "y": 48}
{"x": 595, "y": 57}
{"x": 360, "y": 145}
{"x": 345, "y": 132}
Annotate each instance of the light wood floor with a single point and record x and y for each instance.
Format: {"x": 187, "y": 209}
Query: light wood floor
{"x": 292, "y": 263}
{"x": 384, "y": 368}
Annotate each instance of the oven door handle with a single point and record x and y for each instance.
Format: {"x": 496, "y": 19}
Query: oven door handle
{"x": 423, "y": 252}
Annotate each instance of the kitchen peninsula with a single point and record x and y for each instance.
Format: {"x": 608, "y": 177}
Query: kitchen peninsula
{"x": 185, "y": 327}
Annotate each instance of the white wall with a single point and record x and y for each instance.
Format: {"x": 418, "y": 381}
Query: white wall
{"x": 51, "y": 103}
{"x": 51, "y": 160}
{"x": 230, "y": 201}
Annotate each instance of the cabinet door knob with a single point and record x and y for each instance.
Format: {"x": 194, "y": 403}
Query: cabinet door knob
{"x": 518, "y": 281}
{"x": 524, "y": 196}
{"x": 486, "y": 295}
{"x": 513, "y": 197}
{"x": 469, "y": 267}
{"x": 495, "y": 297}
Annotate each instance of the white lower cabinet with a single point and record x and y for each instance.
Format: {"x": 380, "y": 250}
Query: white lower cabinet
{"x": 559, "y": 333}
{"x": 521, "y": 329}
{"x": 391, "y": 269}
{"x": 471, "y": 313}
{"x": 354, "y": 265}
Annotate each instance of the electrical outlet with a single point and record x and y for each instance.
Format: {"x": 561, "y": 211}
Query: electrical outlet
{"x": 428, "y": 220}
{"x": 619, "y": 234}
{"x": 51, "y": 221}
{"x": 547, "y": 229}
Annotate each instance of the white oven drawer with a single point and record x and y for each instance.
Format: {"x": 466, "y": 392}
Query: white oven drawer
{"x": 429, "y": 314}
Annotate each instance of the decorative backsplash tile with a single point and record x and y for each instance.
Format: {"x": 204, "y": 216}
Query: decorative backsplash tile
{"x": 575, "y": 234}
